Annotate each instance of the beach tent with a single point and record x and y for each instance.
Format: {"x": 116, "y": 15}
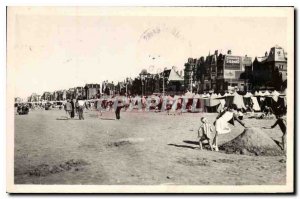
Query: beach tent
{"x": 260, "y": 93}
{"x": 267, "y": 93}
{"x": 256, "y": 106}
{"x": 248, "y": 95}
{"x": 189, "y": 94}
{"x": 211, "y": 103}
{"x": 222, "y": 105}
{"x": 275, "y": 95}
{"x": 247, "y": 98}
{"x": 197, "y": 96}
{"x": 238, "y": 101}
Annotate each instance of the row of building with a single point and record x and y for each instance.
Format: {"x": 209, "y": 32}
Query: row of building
{"x": 216, "y": 72}
{"x": 219, "y": 72}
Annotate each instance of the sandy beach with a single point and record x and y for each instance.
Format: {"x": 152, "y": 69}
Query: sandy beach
{"x": 142, "y": 148}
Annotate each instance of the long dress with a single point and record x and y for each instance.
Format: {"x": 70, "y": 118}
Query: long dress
{"x": 73, "y": 109}
{"x": 222, "y": 123}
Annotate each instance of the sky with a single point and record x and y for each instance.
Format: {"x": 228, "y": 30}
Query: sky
{"x": 53, "y": 52}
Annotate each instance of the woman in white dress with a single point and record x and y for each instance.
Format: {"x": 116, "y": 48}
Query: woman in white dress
{"x": 221, "y": 124}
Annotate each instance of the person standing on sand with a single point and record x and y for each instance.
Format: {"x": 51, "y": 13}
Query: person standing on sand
{"x": 81, "y": 105}
{"x": 68, "y": 108}
{"x": 281, "y": 122}
{"x": 221, "y": 123}
{"x": 73, "y": 109}
{"x": 118, "y": 110}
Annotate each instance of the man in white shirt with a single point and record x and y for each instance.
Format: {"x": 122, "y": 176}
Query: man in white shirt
{"x": 81, "y": 104}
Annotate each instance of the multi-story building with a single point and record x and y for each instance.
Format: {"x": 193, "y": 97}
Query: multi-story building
{"x": 79, "y": 92}
{"x": 271, "y": 69}
{"x": 18, "y": 100}
{"x": 108, "y": 88}
{"x": 230, "y": 70}
{"x": 189, "y": 73}
{"x": 217, "y": 72}
{"x": 47, "y": 96}
{"x": 34, "y": 98}
{"x": 71, "y": 93}
{"x": 174, "y": 82}
{"x": 91, "y": 90}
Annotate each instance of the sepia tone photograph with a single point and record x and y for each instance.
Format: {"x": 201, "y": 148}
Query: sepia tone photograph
{"x": 150, "y": 99}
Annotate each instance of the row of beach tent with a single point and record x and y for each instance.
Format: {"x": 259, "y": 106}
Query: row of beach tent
{"x": 202, "y": 102}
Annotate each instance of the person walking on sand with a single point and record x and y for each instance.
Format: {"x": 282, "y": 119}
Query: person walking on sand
{"x": 81, "y": 105}
{"x": 205, "y": 132}
{"x": 281, "y": 122}
{"x": 73, "y": 109}
{"x": 221, "y": 123}
{"x": 118, "y": 110}
{"x": 68, "y": 108}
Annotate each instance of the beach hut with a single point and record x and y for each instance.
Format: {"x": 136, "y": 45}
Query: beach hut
{"x": 238, "y": 101}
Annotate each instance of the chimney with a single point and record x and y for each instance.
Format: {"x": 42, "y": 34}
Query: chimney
{"x": 266, "y": 54}
{"x": 229, "y": 52}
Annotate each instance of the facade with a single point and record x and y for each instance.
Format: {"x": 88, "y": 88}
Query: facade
{"x": 79, "y": 92}
{"x": 189, "y": 73}
{"x": 91, "y": 91}
{"x": 18, "y": 100}
{"x": 34, "y": 98}
{"x": 217, "y": 73}
{"x": 60, "y": 95}
{"x": 174, "y": 82}
{"x": 47, "y": 96}
{"x": 231, "y": 72}
{"x": 71, "y": 93}
{"x": 270, "y": 71}
{"x": 108, "y": 88}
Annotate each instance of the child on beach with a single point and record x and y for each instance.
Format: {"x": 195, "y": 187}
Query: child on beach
{"x": 281, "y": 122}
{"x": 205, "y": 132}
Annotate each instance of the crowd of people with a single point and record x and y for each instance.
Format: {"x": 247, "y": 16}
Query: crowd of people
{"x": 227, "y": 114}
{"x": 75, "y": 106}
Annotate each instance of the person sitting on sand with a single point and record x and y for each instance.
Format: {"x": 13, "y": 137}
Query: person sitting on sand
{"x": 268, "y": 112}
{"x": 240, "y": 115}
{"x": 205, "y": 132}
{"x": 221, "y": 123}
{"x": 281, "y": 121}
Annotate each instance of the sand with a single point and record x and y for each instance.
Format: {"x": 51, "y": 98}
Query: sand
{"x": 139, "y": 149}
{"x": 253, "y": 141}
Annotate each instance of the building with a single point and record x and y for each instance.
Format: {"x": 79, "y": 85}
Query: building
{"x": 231, "y": 70}
{"x": 174, "y": 82}
{"x": 108, "y": 88}
{"x": 18, "y": 100}
{"x": 270, "y": 71}
{"x": 47, "y": 96}
{"x": 91, "y": 91}
{"x": 34, "y": 98}
{"x": 189, "y": 73}
{"x": 71, "y": 93}
{"x": 218, "y": 72}
{"x": 79, "y": 92}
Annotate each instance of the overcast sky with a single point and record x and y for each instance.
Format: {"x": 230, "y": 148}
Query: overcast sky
{"x": 58, "y": 52}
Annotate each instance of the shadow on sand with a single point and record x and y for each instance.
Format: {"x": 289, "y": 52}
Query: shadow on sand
{"x": 183, "y": 146}
{"x": 193, "y": 144}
